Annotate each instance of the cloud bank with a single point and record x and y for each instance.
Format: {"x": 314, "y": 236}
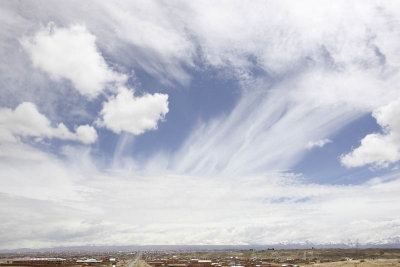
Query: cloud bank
{"x": 251, "y": 210}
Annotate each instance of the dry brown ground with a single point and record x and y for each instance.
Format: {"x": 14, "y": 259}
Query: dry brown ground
{"x": 123, "y": 263}
{"x": 141, "y": 263}
{"x": 357, "y": 263}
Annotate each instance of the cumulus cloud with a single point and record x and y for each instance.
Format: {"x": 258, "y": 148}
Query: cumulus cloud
{"x": 319, "y": 143}
{"x": 71, "y": 53}
{"x": 125, "y": 112}
{"x": 86, "y": 134}
{"x": 27, "y": 121}
{"x": 379, "y": 149}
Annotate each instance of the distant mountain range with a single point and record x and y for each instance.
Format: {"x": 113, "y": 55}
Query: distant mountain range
{"x": 93, "y": 248}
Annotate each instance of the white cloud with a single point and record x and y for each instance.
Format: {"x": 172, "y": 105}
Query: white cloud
{"x": 319, "y": 143}
{"x": 86, "y": 134}
{"x": 379, "y": 149}
{"x": 71, "y": 53}
{"x": 159, "y": 35}
{"x": 327, "y": 75}
{"x": 125, "y": 112}
{"x": 26, "y": 121}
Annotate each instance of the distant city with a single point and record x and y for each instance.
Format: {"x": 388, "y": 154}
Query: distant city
{"x": 206, "y": 257}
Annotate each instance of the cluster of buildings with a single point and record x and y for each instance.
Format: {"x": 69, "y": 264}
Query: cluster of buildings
{"x": 28, "y": 261}
{"x": 174, "y": 261}
{"x": 34, "y": 261}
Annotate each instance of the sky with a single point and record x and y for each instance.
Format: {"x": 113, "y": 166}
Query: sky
{"x": 199, "y": 122}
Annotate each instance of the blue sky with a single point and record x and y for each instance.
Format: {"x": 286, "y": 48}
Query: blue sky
{"x": 199, "y": 123}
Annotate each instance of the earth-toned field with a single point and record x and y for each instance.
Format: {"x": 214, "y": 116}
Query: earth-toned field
{"x": 362, "y": 263}
{"x": 141, "y": 263}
